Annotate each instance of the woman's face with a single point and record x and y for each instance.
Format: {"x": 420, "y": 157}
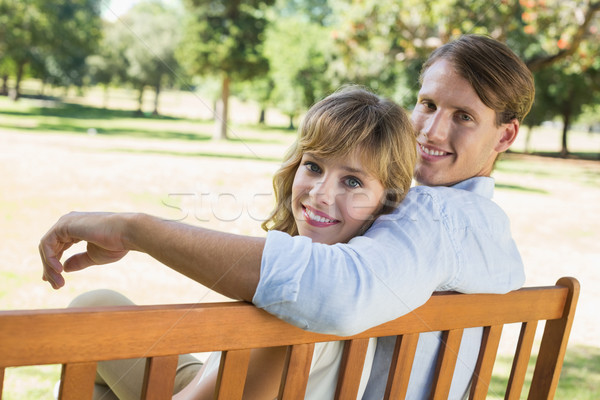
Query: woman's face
{"x": 333, "y": 200}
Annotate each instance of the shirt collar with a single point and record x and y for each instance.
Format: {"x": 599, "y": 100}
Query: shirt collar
{"x": 481, "y": 185}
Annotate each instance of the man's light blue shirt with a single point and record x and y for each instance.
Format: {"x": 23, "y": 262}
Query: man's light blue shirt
{"x": 439, "y": 238}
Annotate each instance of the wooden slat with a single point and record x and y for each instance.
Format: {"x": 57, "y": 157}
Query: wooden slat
{"x": 159, "y": 378}
{"x": 1, "y": 382}
{"x": 351, "y": 368}
{"x": 553, "y": 347}
{"x": 128, "y": 332}
{"x": 485, "y": 363}
{"x": 446, "y": 363}
{"x": 295, "y": 372}
{"x": 232, "y": 374}
{"x": 402, "y": 361}
{"x": 520, "y": 361}
{"x": 77, "y": 381}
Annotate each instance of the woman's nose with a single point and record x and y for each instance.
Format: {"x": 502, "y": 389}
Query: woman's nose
{"x": 324, "y": 191}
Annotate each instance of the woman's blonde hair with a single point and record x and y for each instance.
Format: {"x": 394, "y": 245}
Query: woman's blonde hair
{"x": 350, "y": 119}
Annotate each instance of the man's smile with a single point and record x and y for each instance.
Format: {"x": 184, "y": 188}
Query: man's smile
{"x": 431, "y": 151}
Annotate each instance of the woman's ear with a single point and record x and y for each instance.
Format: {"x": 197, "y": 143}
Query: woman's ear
{"x": 508, "y": 135}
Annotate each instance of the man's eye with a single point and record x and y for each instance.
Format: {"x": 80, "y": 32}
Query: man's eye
{"x": 465, "y": 117}
{"x": 428, "y": 105}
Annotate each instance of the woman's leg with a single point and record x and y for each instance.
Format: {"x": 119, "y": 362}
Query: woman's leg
{"x": 124, "y": 378}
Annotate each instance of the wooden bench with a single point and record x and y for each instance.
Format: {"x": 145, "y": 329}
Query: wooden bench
{"x": 78, "y": 338}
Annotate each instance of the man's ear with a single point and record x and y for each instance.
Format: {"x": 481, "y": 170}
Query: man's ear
{"x": 508, "y": 135}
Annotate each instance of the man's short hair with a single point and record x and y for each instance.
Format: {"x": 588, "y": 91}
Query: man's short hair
{"x": 499, "y": 77}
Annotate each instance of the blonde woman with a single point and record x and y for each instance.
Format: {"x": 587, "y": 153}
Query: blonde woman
{"x": 353, "y": 160}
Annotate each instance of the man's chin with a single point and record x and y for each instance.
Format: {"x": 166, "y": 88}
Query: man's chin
{"x": 435, "y": 180}
{"x": 428, "y": 178}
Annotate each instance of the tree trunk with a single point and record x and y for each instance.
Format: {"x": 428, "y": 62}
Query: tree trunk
{"x": 564, "y": 152}
{"x": 291, "y": 126}
{"x": 105, "y": 97}
{"x": 16, "y": 94}
{"x": 222, "y": 112}
{"x": 140, "y": 101}
{"x": 261, "y": 117}
{"x": 4, "y": 90}
{"x": 156, "y": 94}
{"x": 528, "y": 140}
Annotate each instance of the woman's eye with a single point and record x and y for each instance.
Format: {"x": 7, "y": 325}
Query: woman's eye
{"x": 312, "y": 167}
{"x": 353, "y": 182}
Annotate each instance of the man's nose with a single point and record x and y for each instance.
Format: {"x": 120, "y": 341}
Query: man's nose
{"x": 436, "y": 127}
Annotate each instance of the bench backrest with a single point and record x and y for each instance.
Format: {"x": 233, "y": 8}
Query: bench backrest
{"x": 78, "y": 338}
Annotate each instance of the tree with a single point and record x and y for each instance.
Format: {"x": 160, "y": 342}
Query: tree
{"x": 299, "y": 54}
{"x": 298, "y": 46}
{"x": 539, "y": 113}
{"x": 562, "y": 40}
{"x": 561, "y": 27}
{"x": 261, "y": 91}
{"x": 21, "y": 24}
{"x": 73, "y": 32}
{"x": 109, "y": 65}
{"x": 225, "y": 38}
{"x": 147, "y": 37}
{"x": 564, "y": 90}
{"x": 52, "y": 38}
{"x": 382, "y": 43}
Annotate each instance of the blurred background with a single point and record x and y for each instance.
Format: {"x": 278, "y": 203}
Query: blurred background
{"x": 184, "y": 109}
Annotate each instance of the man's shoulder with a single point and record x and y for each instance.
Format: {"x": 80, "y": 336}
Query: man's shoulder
{"x": 456, "y": 204}
{"x": 477, "y": 186}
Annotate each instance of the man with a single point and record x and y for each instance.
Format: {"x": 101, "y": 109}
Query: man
{"x": 446, "y": 235}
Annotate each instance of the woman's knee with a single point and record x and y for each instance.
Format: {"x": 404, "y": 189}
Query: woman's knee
{"x": 100, "y": 297}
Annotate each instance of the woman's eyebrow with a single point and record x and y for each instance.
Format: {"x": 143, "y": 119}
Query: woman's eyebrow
{"x": 353, "y": 170}
{"x": 349, "y": 168}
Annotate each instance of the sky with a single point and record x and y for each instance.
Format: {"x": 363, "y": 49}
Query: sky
{"x": 115, "y": 8}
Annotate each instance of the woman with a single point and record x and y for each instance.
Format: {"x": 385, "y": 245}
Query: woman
{"x": 352, "y": 161}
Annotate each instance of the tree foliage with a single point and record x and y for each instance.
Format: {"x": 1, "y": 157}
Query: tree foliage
{"x": 52, "y": 38}
{"x": 225, "y": 38}
{"x": 293, "y": 52}
{"x": 383, "y": 43}
{"x": 299, "y": 53}
{"x": 563, "y": 92}
{"x": 148, "y": 36}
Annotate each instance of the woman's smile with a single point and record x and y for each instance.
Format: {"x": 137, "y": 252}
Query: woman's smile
{"x": 317, "y": 218}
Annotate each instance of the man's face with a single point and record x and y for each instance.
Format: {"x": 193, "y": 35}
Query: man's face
{"x": 457, "y": 134}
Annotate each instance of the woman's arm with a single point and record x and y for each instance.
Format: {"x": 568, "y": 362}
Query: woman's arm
{"x": 262, "y": 382}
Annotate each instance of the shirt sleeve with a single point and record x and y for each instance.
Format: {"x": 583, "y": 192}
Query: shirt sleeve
{"x": 344, "y": 289}
{"x": 403, "y": 258}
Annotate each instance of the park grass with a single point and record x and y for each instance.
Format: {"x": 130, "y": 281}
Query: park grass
{"x": 151, "y": 135}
